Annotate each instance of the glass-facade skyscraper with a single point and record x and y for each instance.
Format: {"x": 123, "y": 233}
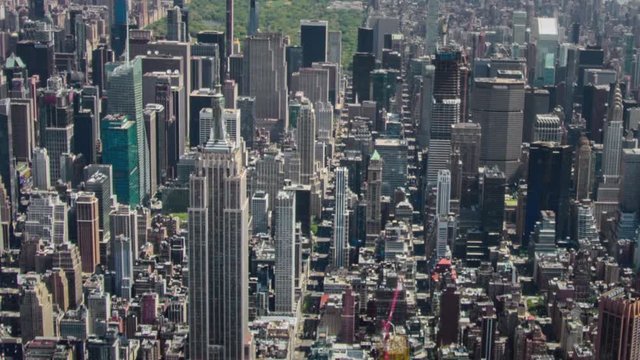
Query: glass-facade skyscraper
{"x": 120, "y": 150}
{"x": 125, "y": 97}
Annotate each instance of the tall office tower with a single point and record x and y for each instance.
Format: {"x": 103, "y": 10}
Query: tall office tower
{"x": 382, "y": 26}
{"x": 498, "y": 106}
{"x": 629, "y": 191}
{"x": 254, "y": 18}
{"x": 549, "y": 179}
{"x": 260, "y": 212}
{"x": 613, "y": 137}
{"x": 306, "y": 141}
{"x": 545, "y": 37}
{"x": 230, "y": 93}
{"x": 176, "y": 29}
{"x": 206, "y": 120}
{"x": 88, "y": 229}
{"x": 293, "y": 58}
{"x": 285, "y": 232}
{"x": 548, "y": 128}
{"x": 40, "y": 170}
{"x": 313, "y": 82}
{"x": 36, "y": 309}
{"x": 442, "y": 236}
{"x": 466, "y": 139}
{"x": 394, "y": 156}
{"x": 314, "y": 38}
{"x": 67, "y": 257}
{"x": 125, "y": 97}
{"x": 56, "y": 122}
{"x": 218, "y": 250}
{"x": 536, "y": 101}
{"x": 443, "y": 193}
{"x": 519, "y": 20}
{"x": 270, "y": 173}
{"x": 122, "y": 265}
{"x": 493, "y": 184}
{"x": 47, "y": 217}
{"x": 98, "y": 180}
{"x": 445, "y": 110}
{"x": 324, "y": 127}
{"x": 120, "y": 150}
{"x": 426, "y": 106}
{"x": 119, "y": 24}
{"x": 247, "y": 107}
{"x": 363, "y": 65}
{"x": 7, "y": 168}
{"x": 334, "y": 49}
{"x": 199, "y": 99}
{"x": 594, "y": 107}
{"x": 5, "y": 217}
{"x": 124, "y": 221}
{"x": 617, "y": 332}
{"x": 23, "y": 113}
{"x": 231, "y": 119}
{"x": 265, "y": 75}
{"x": 156, "y": 136}
{"x": 217, "y": 38}
{"x": 374, "y": 196}
{"x": 432, "y": 37}
{"x": 341, "y": 219}
{"x": 365, "y": 40}
{"x": 584, "y": 170}
{"x": 229, "y": 29}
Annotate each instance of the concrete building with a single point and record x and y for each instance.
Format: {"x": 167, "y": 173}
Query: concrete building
{"x": 285, "y": 231}
{"x": 498, "y": 106}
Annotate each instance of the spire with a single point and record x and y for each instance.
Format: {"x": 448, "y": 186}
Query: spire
{"x": 218, "y": 138}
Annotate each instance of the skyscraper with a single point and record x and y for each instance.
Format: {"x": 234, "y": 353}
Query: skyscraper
{"x": 306, "y": 140}
{"x": 584, "y": 170}
{"x": 341, "y": 219}
{"x": 40, "y": 170}
{"x": 176, "y": 29}
{"x": 498, "y": 106}
{"x": 613, "y": 137}
{"x": 120, "y": 150}
{"x": 314, "y": 38}
{"x": 122, "y": 265}
{"x": 7, "y": 170}
{"x": 394, "y": 155}
{"x": 285, "y": 231}
{"x": 254, "y": 19}
{"x": 218, "y": 250}
{"x": 374, "y": 195}
{"x": 548, "y": 185}
{"x": 265, "y": 75}
{"x": 125, "y": 97}
{"x": 87, "y": 222}
{"x": 36, "y": 309}
{"x": 443, "y": 193}
{"x": 493, "y": 183}
{"x": 617, "y": 332}
{"x": 229, "y": 30}
{"x": 56, "y": 122}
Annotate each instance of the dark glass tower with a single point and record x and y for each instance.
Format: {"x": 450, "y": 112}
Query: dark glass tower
{"x": 548, "y": 185}
{"x": 313, "y": 38}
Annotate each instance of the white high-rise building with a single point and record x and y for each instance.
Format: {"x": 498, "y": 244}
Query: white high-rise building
{"x": 285, "y": 231}
{"x": 341, "y": 219}
{"x": 206, "y": 119}
{"x": 443, "y": 192}
{"x": 218, "y": 250}
{"x": 612, "y": 146}
{"x": 306, "y": 140}
{"x": 41, "y": 170}
{"x": 231, "y": 118}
